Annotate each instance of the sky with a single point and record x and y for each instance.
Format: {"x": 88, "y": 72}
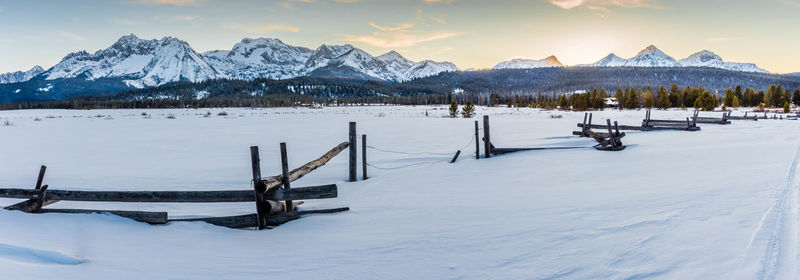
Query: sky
{"x": 470, "y": 33}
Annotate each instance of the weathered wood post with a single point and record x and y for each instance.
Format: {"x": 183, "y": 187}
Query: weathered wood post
{"x": 611, "y": 135}
{"x": 258, "y": 189}
{"x": 40, "y": 179}
{"x": 364, "y": 157}
{"x": 285, "y": 172}
{"x": 30, "y": 205}
{"x": 455, "y": 157}
{"x": 583, "y": 128}
{"x": 486, "y": 140}
{"x": 477, "y": 143}
{"x": 353, "y": 152}
{"x": 41, "y": 191}
{"x": 590, "y": 120}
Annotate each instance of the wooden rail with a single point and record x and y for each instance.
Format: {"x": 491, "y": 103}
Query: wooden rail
{"x": 305, "y": 193}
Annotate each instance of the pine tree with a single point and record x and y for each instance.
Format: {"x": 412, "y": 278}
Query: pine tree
{"x": 648, "y": 99}
{"x": 663, "y": 99}
{"x": 735, "y": 103}
{"x": 468, "y": 111}
{"x": 796, "y": 97}
{"x": 727, "y": 99}
{"x": 786, "y": 107}
{"x": 453, "y": 109}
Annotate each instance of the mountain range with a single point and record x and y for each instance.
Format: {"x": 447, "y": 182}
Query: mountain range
{"x": 145, "y": 63}
{"x": 20, "y": 76}
{"x": 649, "y": 57}
{"x": 133, "y": 63}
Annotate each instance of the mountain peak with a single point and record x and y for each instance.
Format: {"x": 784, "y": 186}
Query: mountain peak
{"x": 651, "y": 49}
{"x": 392, "y": 56}
{"x": 519, "y": 63}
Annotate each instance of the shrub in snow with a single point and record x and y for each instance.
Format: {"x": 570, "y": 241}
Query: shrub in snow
{"x": 469, "y": 110}
{"x": 223, "y": 113}
{"x": 37, "y": 119}
{"x": 144, "y": 114}
{"x": 7, "y": 123}
{"x": 171, "y": 116}
{"x": 556, "y": 116}
{"x": 453, "y": 109}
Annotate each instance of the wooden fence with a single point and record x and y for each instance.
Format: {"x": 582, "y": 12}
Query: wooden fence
{"x": 275, "y": 199}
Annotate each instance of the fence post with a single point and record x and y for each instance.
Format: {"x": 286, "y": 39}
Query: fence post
{"x": 486, "y": 141}
{"x": 41, "y": 193}
{"x": 258, "y": 189}
{"x": 285, "y": 172}
{"x": 455, "y": 158}
{"x": 477, "y": 143}
{"x": 364, "y": 157}
{"x": 40, "y": 179}
{"x": 353, "y": 152}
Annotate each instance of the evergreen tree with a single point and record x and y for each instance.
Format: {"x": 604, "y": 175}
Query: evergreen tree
{"x": 735, "y": 103}
{"x": 468, "y": 111}
{"x": 796, "y": 97}
{"x": 706, "y": 101}
{"x": 786, "y": 107}
{"x": 727, "y": 99}
{"x": 663, "y": 99}
{"x": 453, "y": 109}
{"x": 648, "y": 99}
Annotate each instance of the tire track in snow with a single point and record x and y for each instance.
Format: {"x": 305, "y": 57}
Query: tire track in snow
{"x": 781, "y": 256}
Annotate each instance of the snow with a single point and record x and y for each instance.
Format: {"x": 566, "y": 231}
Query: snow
{"x": 46, "y": 88}
{"x": 653, "y": 57}
{"x": 720, "y": 203}
{"x": 707, "y": 58}
{"x": 20, "y": 76}
{"x": 517, "y": 63}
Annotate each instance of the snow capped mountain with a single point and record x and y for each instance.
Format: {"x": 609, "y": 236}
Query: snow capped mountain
{"x": 348, "y": 61}
{"x": 427, "y": 68}
{"x": 653, "y": 57}
{"x": 517, "y": 63}
{"x": 707, "y": 58}
{"x": 649, "y": 57}
{"x": 260, "y": 58}
{"x": 20, "y": 76}
{"x": 396, "y": 63}
{"x": 611, "y": 60}
{"x": 347, "y": 57}
{"x": 140, "y": 62}
{"x": 144, "y": 63}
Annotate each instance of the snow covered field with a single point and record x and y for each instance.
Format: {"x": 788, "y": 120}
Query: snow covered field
{"x": 720, "y": 203}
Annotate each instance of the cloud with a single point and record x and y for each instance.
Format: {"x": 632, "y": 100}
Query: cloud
{"x": 600, "y": 4}
{"x": 402, "y": 26}
{"x": 71, "y": 36}
{"x": 263, "y": 28}
{"x": 398, "y": 39}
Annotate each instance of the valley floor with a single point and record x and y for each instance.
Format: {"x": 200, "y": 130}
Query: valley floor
{"x": 720, "y": 203}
